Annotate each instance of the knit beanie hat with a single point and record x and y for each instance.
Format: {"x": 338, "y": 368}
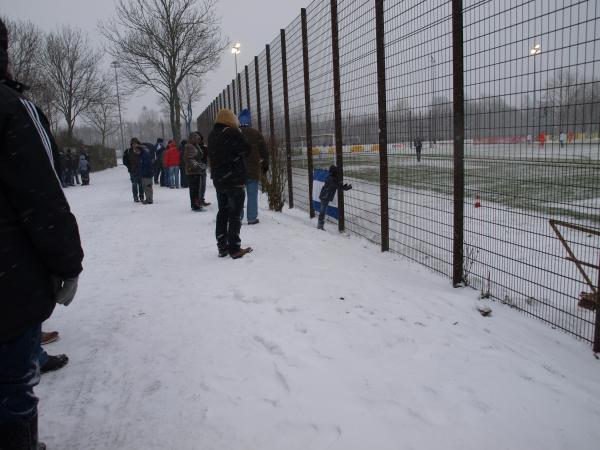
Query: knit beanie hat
{"x": 245, "y": 118}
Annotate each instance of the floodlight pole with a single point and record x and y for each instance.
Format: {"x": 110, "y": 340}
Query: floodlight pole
{"x": 114, "y": 65}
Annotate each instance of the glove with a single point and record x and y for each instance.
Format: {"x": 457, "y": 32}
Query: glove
{"x": 64, "y": 290}
{"x": 347, "y": 187}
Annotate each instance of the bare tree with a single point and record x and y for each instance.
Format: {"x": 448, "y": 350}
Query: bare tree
{"x": 161, "y": 42}
{"x": 102, "y": 114}
{"x": 190, "y": 92}
{"x": 24, "y": 44}
{"x": 71, "y": 68}
{"x": 25, "y": 49}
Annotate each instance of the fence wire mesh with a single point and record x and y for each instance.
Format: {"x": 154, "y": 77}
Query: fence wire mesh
{"x": 531, "y": 138}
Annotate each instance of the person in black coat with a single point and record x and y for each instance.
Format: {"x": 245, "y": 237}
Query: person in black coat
{"x": 157, "y": 153}
{"x": 146, "y": 170}
{"x": 131, "y": 160}
{"x": 418, "y": 148}
{"x": 227, "y": 149}
{"x": 183, "y": 181}
{"x": 328, "y": 191}
{"x": 40, "y": 252}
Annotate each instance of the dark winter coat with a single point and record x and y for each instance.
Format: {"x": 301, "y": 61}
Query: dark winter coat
{"x": 131, "y": 160}
{"x": 331, "y": 186}
{"x": 191, "y": 157}
{"x": 258, "y": 158}
{"x": 227, "y": 150}
{"x": 158, "y": 154}
{"x": 146, "y": 166}
{"x": 39, "y": 237}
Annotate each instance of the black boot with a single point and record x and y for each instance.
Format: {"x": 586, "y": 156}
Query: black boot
{"x": 54, "y": 362}
{"x": 21, "y": 435}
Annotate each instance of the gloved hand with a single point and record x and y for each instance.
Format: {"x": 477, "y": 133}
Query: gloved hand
{"x": 64, "y": 290}
{"x": 347, "y": 187}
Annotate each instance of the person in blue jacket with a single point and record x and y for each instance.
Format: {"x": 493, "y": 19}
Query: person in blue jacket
{"x": 146, "y": 170}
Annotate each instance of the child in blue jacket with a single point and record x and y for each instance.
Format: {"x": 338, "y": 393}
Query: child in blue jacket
{"x": 331, "y": 186}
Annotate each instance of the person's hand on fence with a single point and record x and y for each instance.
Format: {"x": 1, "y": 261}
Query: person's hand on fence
{"x": 347, "y": 187}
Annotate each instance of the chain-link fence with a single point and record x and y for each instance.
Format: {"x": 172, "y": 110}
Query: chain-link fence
{"x": 465, "y": 127}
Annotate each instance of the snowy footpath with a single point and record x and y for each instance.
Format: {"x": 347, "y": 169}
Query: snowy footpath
{"x": 315, "y": 340}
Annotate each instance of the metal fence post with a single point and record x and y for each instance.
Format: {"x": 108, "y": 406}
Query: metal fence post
{"x": 337, "y": 107}
{"x": 382, "y": 107}
{"x": 233, "y": 96}
{"x": 248, "y": 91}
{"x": 257, "y": 82}
{"x": 228, "y": 96}
{"x": 286, "y": 116}
{"x": 459, "y": 137}
{"x": 239, "y": 86}
{"x": 273, "y": 144}
{"x": 596, "y": 347}
{"x": 307, "y": 111}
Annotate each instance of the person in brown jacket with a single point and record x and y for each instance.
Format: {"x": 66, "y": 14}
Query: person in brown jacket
{"x": 256, "y": 162}
{"x": 193, "y": 169}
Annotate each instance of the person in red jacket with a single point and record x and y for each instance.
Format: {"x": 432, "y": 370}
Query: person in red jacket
{"x": 172, "y": 160}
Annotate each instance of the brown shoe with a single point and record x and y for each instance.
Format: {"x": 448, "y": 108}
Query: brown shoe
{"x": 49, "y": 337}
{"x": 241, "y": 252}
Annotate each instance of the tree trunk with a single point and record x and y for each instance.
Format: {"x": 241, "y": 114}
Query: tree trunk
{"x": 177, "y": 134}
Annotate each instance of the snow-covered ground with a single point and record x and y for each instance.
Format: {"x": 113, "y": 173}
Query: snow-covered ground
{"x": 314, "y": 341}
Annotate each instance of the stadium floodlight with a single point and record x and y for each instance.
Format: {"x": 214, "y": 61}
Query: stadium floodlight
{"x": 115, "y": 65}
{"x": 235, "y": 50}
{"x": 534, "y": 51}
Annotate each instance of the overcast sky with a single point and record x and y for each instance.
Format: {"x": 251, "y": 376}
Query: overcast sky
{"x": 253, "y": 23}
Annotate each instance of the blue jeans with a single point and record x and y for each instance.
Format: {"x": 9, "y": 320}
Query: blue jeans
{"x": 19, "y": 373}
{"x": 252, "y": 201}
{"x": 136, "y": 186}
{"x": 322, "y": 212}
{"x": 174, "y": 176}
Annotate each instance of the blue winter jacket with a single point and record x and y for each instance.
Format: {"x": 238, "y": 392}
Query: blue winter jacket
{"x": 146, "y": 169}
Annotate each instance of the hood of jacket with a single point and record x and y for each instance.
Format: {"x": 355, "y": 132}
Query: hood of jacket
{"x": 227, "y": 117}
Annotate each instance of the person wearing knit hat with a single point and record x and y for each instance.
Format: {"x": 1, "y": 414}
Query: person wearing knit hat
{"x": 227, "y": 150}
{"x": 40, "y": 248}
{"x": 257, "y": 162}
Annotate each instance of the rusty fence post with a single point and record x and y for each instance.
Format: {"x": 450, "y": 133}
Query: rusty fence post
{"x": 307, "y": 110}
{"x": 248, "y": 93}
{"x": 239, "y": 86}
{"x": 257, "y": 82}
{"x": 270, "y": 96}
{"x": 459, "y": 141}
{"x": 382, "y": 119}
{"x": 286, "y": 117}
{"x": 337, "y": 107}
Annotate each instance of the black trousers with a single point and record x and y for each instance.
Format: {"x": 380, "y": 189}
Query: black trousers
{"x": 231, "y": 202}
{"x": 194, "y": 185}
